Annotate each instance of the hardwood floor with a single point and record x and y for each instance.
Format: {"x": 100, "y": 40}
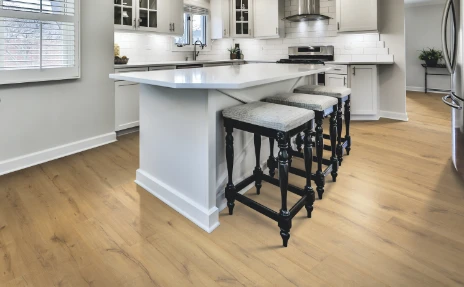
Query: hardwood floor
{"x": 394, "y": 218}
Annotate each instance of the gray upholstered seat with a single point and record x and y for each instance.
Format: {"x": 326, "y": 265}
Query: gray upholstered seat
{"x": 305, "y": 101}
{"x": 336, "y": 92}
{"x": 277, "y": 117}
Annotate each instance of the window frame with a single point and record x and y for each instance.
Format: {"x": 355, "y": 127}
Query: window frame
{"x": 46, "y": 74}
{"x": 190, "y": 46}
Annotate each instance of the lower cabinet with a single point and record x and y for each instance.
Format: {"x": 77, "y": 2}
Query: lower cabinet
{"x": 335, "y": 80}
{"x": 364, "y": 92}
{"x": 127, "y": 105}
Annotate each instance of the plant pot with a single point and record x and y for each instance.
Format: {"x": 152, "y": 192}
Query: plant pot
{"x": 431, "y": 63}
{"x": 233, "y": 56}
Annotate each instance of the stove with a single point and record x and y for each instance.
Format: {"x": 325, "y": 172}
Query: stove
{"x": 309, "y": 55}
{"x": 316, "y": 55}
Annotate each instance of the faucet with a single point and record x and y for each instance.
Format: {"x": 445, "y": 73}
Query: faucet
{"x": 195, "y": 53}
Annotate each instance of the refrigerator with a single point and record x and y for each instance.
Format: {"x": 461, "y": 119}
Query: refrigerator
{"x": 453, "y": 49}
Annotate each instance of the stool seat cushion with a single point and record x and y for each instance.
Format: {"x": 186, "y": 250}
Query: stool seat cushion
{"x": 272, "y": 116}
{"x": 305, "y": 101}
{"x": 336, "y": 92}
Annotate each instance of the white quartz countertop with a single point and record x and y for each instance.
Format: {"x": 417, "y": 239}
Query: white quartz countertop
{"x": 182, "y": 63}
{"x": 222, "y": 77}
{"x": 360, "y": 62}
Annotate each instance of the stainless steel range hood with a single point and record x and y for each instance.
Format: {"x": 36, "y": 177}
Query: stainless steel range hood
{"x": 308, "y": 10}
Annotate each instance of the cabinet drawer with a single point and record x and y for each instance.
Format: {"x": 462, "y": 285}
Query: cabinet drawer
{"x": 128, "y": 70}
{"x": 338, "y": 69}
{"x": 157, "y": 68}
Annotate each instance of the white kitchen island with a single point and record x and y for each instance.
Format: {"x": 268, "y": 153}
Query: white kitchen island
{"x": 182, "y": 147}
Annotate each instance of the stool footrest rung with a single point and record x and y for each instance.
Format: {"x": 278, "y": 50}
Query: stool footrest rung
{"x": 301, "y": 155}
{"x": 291, "y": 188}
{"x": 302, "y": 173}
{"x": 244, "y": 183}
{"x": 298, "y": 206}
{"x": 257, "y": 206}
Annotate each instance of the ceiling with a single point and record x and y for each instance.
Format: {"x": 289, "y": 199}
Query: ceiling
{"x": 423, "y": 2}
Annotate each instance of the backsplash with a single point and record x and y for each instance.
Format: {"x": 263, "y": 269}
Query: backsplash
{"x": 348, "y": 47}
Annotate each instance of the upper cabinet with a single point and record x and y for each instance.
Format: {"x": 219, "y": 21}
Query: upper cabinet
{"x": 356, "y": 15}
{"x": 161, "y": 16}
{"x": 242, "y": 19}
{"x": 220, "y": 19}
{"x": 268, "y": 18}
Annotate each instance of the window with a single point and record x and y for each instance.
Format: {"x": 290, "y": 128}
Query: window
{"x": 194, "y": 29}
{"x": 39, "y": 40}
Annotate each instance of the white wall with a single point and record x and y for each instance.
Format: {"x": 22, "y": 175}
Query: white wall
{"x": 41, "y": 116}
{"x": 392, "y": 78}
{"x": 423, "y": 30}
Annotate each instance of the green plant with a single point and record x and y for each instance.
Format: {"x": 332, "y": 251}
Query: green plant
{"x": 430, "y": 54}
{"x": 232, "y": 50}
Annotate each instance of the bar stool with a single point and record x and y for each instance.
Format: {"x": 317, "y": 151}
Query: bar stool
{"x": 323, "y": 107}
{"x": 280, "y": 123}
{"x": 344, "y": 96}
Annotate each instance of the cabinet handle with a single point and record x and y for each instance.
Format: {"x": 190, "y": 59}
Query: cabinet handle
{"x": 170, "y": 27}
{"x": 135, "y": 23}
{"x": 225, "y": 32}
{"x": 173, "y": 27}
{"x": 338, "y": 26}
{"x": 354, "y": 71}
{"x": 344, "y": 81}
{"x": 277, "y": 31}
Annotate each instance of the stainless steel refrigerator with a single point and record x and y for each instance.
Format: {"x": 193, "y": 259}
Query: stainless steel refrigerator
{"x": 452, "y": 40}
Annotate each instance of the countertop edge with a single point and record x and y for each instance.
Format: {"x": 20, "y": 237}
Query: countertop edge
{"x": 220, "y": 86}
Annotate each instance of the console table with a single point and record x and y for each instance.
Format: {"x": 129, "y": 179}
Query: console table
{"x": 439, "y": 66}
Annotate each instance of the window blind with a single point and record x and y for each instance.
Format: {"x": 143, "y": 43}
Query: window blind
{"x": 39, "y": 40}
{"x": 196, "y": 10}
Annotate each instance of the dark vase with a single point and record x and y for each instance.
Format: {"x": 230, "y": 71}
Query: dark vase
{"x": 431, "y": 63}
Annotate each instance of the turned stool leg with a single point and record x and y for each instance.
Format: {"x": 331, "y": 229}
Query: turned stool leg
{"x": 299, "y": 142}
{"x": 285, "y": 220}
{"x": 339, "y": 130}
{"x": 347, "y": 123}
{"x": 272, "y": 161}
{"x": 230, "y": 187}
{"x": 320, "y": 178}
{"x": 258, "y": 172}
{"x": 333, "y": 143}
{"x": 290, "y": 153}
{"x": 308, "y": 158}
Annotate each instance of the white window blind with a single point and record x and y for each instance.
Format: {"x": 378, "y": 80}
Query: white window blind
{"x": 39, "y": 40}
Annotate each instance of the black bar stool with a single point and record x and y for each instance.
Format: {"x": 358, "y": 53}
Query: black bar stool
{"x": 343, "y": 95}
{"x": 280, "y": 123}
{"x": 323, "y": 107}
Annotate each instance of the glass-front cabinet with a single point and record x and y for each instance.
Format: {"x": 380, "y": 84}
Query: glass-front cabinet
{"x": 125, "y": 14}
{"x": 242, "y": 18}
{"x": 159, "y": 16}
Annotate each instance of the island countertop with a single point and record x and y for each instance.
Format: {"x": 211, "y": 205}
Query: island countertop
{"x": 223, "y": 77}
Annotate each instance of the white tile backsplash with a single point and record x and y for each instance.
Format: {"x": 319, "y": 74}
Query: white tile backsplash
{"x": 348, "y": 47}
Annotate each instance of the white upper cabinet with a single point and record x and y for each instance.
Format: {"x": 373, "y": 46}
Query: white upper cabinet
{"x": 242, "y": 19}
{"x": 357, "y": 15}
{"x": 220, "y": 19}
{"x": 268, "y": 15}
{"x": 161, "y": 16}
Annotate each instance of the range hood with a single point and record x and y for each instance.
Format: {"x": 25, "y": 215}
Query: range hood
{"x": 308, "y": 10}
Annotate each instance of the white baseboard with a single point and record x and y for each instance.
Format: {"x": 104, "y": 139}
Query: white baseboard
{"x": 422, "y": 90}
{"x": 36, "y": 158}
{"x": 394, "y": 116}
{"x": 208, "y": 220}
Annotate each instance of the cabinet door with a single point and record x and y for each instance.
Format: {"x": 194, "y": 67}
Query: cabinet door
{"x": 177, "y": 17}
{"x": 127, "y": 105}
{"x": 153, "y": 16}
{"x": 364, "y": 91}
{"x": 220, "y": 19}
{"x": 356, "y": 15}
{"x": 266, "y": 18}
{"x": 124, "y": 14}
{"x": 242, "y": 19}
{"x": 333, "y": 80}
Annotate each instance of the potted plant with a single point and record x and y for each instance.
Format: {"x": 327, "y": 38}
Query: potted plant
{"x": 431, "y": 56}
{"x": 233, "y": 53}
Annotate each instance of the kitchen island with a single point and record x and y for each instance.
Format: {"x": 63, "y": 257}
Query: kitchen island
{"x": 182, "y": 149}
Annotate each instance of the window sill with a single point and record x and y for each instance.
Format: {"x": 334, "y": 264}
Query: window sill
{"x": 189, "y": 48}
